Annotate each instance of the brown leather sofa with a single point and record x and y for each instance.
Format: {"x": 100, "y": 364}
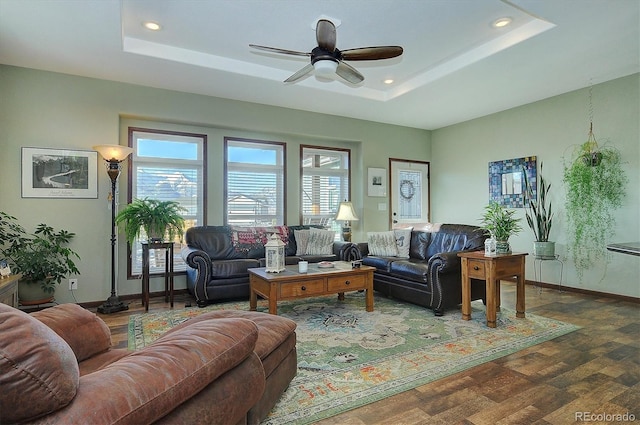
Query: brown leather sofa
{"x": 57, "y": 366}
{"x": 431, "y": 276}
{"x": 217, "y": 266}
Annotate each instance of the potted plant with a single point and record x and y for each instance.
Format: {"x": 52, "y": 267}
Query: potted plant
{"x": 500, "y": 224}
{"x": 157, "y": 219}
{"x": 539, "y": 215}
{"x": 595, "y": 184}
{"x": 43, "y": 258}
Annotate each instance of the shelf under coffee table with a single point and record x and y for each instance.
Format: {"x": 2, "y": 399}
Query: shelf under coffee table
{"x": 290, "y": 284}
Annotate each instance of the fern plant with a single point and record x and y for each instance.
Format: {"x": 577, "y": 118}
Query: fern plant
{"x": 152, "y": 218}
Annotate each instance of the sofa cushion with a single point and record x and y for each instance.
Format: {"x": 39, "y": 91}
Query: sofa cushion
{"x": 84, "y": 331}
{"x": 149, "y": 383}
{"x": 380, "y": 263}
{"x": 320, "y": 242}
{"x": 403, "y": 241}
{"x": 452, "y": 238}
{"x": 382, "y": 244}
{"x": 36, "y": 364}
{"x": 252, "y": 239}
{"x": 214, "y": 240}
{"x": 233, "y": 268}
{"x": 302, "y": 240}
{"x": 411, "y": 269}
{"x": 419, "y": 245}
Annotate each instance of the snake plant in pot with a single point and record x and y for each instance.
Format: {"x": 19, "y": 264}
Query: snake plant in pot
{"x": 501, "y": 224}
{"x": 539, "y": 214}
{"x": 151, "y": 218}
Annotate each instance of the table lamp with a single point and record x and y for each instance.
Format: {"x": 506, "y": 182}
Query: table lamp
{"x": 346, "y": 213}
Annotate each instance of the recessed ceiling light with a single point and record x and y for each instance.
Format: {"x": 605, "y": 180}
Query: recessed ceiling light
{"x": 502, "y": 22}
{"x": 153, "y": 26}
{"x": 388, "y": 81}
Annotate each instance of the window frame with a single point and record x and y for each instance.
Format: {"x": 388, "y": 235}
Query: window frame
{"x": 282, "y": 145}
{"x": 130, "y": 169}
{"x": 347, "y": 172}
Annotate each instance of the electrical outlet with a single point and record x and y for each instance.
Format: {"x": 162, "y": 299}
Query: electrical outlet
{"x": 73, "y": 284}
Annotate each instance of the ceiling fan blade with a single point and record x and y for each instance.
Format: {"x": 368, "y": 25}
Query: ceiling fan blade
{"x": 276, "y": 50}
{"x": 349, "y": 73}
{"x": 298, "y": 75}
{"x": 372, "y": 53}
{"x": 326, "y": 35}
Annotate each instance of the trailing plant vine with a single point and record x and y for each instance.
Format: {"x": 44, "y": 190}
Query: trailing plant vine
{"x": 595, "y": 183}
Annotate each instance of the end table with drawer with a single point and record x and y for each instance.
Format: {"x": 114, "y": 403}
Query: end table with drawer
{"x": 492, "y": 268}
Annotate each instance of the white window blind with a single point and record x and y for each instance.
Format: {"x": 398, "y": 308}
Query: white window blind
{"x": 325, "y": 183}
{"x": 168, "y": 166}
{"x": 254, "y": 182}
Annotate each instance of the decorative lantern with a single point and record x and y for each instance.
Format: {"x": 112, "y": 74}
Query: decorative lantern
{"x": 274, "y": 254}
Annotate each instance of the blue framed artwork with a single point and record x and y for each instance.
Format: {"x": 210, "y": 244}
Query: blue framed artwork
{"x": 506, "y": 182}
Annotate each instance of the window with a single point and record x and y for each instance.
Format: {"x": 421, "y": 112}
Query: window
{"x": 254, "y": 182}
{"x": 325, "y": 183}
{"x": 167, "y": 166}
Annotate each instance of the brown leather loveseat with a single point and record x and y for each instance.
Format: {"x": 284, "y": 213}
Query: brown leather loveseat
{"x": 57, "y": 366}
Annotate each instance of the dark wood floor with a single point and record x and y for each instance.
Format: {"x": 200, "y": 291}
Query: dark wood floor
{"x": 595, "y": 370}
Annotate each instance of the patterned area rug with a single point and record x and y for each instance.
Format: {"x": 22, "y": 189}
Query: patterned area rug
{"x": 348, "y": 358}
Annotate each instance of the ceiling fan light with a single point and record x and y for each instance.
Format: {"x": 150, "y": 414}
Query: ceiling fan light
{"x": 325, "y": 67}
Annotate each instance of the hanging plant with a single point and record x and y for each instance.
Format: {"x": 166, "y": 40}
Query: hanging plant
{"x": 595, "y": 183}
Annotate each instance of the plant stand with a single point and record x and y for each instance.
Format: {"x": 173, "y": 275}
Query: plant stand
{"x": 537, "y": 270}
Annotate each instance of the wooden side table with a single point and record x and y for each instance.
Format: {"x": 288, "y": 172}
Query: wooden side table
{"x": 491, "y": 269}
{"x": 168, "y": 271}
{"x": 9, "y": 290}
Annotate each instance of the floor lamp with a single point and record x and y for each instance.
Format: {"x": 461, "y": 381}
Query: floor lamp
{"x": 113, "y": 156}
{"x": 347, "y": 214}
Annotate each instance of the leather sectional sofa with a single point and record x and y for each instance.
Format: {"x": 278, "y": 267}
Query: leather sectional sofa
{"x": 218, "y": 258}
{"x": 431, "y": 275}
{"x": 225, "y": 367}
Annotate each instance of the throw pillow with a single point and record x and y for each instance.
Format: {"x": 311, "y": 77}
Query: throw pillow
{"x": 382, "y": 244}
{"x": 302, "y": 240}
{"x": 403, "y": 240}
{"x": 320, "y": 242}
{"x": 39, "y": 370}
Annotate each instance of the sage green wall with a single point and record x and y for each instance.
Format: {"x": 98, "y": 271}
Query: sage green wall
{"x": 44, "y": 109}
{"x": 548, "y": 129}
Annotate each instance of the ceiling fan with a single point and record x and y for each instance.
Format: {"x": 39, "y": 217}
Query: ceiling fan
{"x": 327, "y": 60}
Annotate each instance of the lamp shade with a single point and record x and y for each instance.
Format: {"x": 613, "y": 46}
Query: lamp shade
{"x": 113, "y": 152}
{"x": 346, "y": 212}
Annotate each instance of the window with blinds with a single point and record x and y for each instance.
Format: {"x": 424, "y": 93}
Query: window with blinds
{"x": 254, "y": 182}
{"x": 168, "y": 166}
{"x": 325, "y": 183}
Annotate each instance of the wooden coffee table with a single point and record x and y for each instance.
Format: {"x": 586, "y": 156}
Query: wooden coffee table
{"x": 290, "y": 284}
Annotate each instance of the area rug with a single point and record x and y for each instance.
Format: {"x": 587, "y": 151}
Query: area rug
{"x": 348, "y": 357}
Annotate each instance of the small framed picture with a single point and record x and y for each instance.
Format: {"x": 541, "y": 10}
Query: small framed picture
{"x": 377, "y": 182}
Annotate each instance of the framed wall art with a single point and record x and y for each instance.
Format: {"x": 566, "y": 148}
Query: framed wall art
{"x": 59, "y": 173}
{"x": 506, "y": 182}
{"x": 377, "y": 182}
